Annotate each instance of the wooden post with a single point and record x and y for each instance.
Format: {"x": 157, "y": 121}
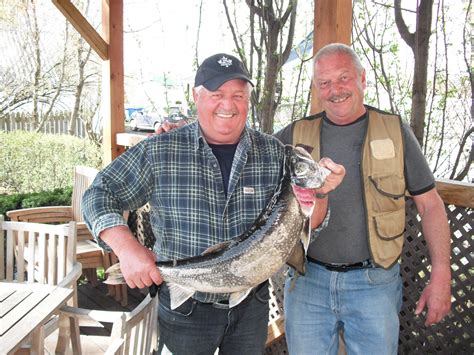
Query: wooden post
{"x": 113, "y": 79}
{"x": 332, "y": 23}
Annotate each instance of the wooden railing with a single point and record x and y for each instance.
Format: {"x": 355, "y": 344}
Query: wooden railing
{"x": 456, "y": 192}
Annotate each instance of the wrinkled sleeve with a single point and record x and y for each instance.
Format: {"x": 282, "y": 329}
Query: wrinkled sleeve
{"x": 315, "y": 232}
{"x": 123, "y": 185}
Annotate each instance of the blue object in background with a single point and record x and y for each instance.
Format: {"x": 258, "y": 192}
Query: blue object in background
{"x": 130, "y": 110}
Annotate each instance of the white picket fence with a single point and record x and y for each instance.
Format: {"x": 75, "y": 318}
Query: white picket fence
{"x": 58, "y": 123}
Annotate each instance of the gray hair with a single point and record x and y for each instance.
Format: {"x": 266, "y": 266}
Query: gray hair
{"x": 339, "y": 48}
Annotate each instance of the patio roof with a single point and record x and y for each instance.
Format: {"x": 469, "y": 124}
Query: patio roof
{"x": 332, "y": 23}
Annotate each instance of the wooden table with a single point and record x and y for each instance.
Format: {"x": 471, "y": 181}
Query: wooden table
{"x": 24, "y": 308}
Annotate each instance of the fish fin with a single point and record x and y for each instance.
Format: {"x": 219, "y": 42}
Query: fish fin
{"x": 115, "y": 280}
{"x": 237, "y": 297}
{"x": 297, "y": 259}
{"x": 308, "y": 211}
{"x": 306, "y": 235}
{"x": 114, "y": 275}
{"x": 178, "y": 294}
{"x": 113, "y": 268}
{"x": 216, "y": 247}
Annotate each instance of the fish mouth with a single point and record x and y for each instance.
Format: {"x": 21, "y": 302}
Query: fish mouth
{"x": 304, "y": 171}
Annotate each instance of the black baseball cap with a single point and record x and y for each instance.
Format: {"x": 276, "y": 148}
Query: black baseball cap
{"x": 219, "y": 68}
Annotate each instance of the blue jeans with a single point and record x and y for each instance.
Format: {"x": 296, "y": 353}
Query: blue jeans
{"x": 364, "y": 303}
{"x": 197, "y": 328}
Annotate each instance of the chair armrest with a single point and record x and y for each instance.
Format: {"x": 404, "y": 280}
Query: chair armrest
{"x": 91, "y": 317}
{"x": 115, "y": 347}
{"x": 70, "y": 318}
{"x": 47, "y": 214}
{"x": 72, "y": 276}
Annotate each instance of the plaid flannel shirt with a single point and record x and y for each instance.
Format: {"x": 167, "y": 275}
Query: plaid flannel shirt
{"x": 180, "y": 177}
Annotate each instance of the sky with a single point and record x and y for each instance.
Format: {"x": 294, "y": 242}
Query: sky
{"x": 164, "y": 33}
{"x": 160, "y": 41}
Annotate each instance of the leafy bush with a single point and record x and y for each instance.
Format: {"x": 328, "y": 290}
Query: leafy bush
{"x": 32, "y": 162}
{"x": 10, "y": 202}
{"x": 57, "y": 197}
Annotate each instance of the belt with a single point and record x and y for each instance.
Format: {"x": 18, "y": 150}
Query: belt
{"x": 224, "y": 304}
{"x": 342, "y": 267}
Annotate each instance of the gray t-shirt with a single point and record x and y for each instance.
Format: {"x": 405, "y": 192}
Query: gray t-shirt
{"x": 345, "y": 239}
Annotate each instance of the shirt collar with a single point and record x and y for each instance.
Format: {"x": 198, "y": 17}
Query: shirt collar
{"x": 199, "y": 141}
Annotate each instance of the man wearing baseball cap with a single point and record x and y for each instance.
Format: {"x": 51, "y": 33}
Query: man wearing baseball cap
{"x": 206, "y": 183}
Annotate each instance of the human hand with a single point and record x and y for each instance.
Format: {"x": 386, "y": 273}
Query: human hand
{"x": 334, "y": 179}
{"x": 138, "y": 267}
{"x": 137, "y": 263}
{"x": 169, "y": 126}
{"x": 436, "y": 297}
{"x": 307, "y": 197}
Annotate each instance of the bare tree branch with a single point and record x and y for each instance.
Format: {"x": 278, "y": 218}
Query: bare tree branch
{"x": 407, "y": 36}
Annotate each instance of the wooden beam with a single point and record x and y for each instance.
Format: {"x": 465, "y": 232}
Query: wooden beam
{"x": 456, "y": 192}
{"x": 332, "y": 23}
{"x": 113, "y": 79}
{"x": 82, "y": 26}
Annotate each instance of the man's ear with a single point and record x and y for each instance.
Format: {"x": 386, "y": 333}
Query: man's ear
{"x": 195, "y": 95}
{"x": 363, "y": 79}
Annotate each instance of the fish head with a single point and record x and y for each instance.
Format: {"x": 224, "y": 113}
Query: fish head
{"x": 303, "y": 170}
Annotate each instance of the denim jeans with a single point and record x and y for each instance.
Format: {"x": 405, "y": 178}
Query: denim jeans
{"x": 196, "y": 328}
{"x": 364, "y": 303}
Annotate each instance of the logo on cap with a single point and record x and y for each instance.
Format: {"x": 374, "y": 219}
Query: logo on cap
{"x": 225, "y": 62}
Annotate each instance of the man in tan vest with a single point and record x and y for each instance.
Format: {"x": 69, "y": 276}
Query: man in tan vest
{"x": 352, "y": 279}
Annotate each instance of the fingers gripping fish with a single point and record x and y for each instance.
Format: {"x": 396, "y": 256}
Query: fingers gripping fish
{"x": 240, "y": 264}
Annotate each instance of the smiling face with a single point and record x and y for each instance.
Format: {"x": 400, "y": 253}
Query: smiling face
{"x": 340, "y": 87}
{"x": 222, "y": 113}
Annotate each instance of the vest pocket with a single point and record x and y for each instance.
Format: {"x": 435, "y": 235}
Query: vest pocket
{"x": 389, "y": 185}
{"x": 388, "y": 192}
{"x": 390, "y": 225}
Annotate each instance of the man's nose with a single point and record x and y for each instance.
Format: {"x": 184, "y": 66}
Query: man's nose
{"x": 227, "y": 103}
{"x": 337, "y": 86}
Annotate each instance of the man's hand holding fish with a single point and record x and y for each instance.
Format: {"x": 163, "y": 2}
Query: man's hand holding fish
{"x": 137, "y": 263}
{"x": 315, "y": 199}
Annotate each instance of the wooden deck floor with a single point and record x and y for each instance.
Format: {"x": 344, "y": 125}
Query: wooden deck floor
{"x": 96, "y": 298}
{"x": 92, "y": 340}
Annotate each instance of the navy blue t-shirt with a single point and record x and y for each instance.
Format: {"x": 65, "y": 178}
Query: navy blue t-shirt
{"x": 225, "y": 155}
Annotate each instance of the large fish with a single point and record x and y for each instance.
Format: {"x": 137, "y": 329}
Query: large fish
{"x": 238, "y": 265}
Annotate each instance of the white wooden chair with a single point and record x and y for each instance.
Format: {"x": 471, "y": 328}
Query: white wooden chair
{"x": 40, "y": 253}
{"x": 89, "y": 254}
{"x": 134, "y": 332}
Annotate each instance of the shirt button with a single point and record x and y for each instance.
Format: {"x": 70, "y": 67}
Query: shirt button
{"x": 214, "y": 165}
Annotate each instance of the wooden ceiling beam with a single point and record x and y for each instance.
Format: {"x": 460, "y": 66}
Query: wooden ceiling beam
{"x": 82, "y": 26}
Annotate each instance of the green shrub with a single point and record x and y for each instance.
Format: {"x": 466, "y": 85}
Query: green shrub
{"x": 57, "y": 197}
{"x": 10, "y": 202}
{"x": 32, "y": 162}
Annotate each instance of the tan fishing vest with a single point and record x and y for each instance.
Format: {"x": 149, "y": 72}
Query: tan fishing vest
{"x": 382, "y": 179}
